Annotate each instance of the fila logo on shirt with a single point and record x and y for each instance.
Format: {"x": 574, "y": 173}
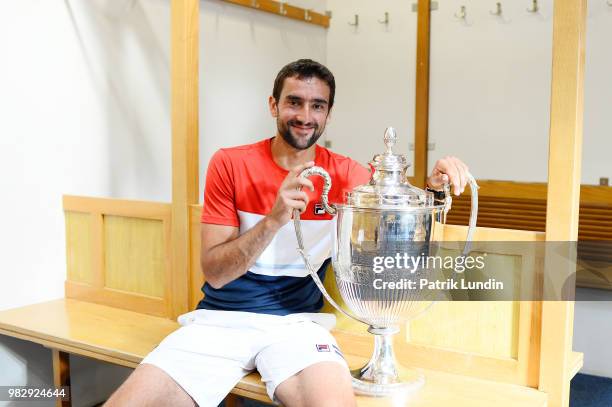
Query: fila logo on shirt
{"x": 319, "y": 209}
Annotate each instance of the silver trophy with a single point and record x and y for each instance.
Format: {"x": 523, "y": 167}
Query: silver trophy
{"x": 385, "y": 219}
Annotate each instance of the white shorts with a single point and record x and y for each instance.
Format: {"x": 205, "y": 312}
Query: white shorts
{"x": 213, "y": 350}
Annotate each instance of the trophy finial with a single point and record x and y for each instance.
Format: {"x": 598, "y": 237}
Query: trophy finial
{"x": 390, "y": 139}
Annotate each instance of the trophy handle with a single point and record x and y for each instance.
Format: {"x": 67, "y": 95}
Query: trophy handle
{"x": 326, "y": 186}
{"x": 473, "y": 214}
{"x": 298, "y": 233}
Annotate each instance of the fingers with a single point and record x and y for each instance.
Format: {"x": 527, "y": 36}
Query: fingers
{"x": 297, "y": 183}
{"x": 295, "y": 171}
{"x": 299, "y": 205}
{"x": 294, "y": 181}
{"x": 437, "y": 179}
{"x": 295, "y": 199}
{"x": 465, "y": 173}
{"x": 460, "y": 181}
{"x": 304, "y": 182}
{"x": 451, "y": 170}
{"x": 448, "y": 167}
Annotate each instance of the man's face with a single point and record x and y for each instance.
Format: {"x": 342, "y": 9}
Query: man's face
{"x": 301, "y": 112}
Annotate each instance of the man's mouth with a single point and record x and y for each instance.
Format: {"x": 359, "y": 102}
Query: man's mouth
{"x": 302, "y": 129}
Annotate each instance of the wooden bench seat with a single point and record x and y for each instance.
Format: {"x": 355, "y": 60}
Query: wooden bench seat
{"x": 125, "y": 337}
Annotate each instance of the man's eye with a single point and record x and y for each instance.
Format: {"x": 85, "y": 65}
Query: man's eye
{"x": 318, "y": 106}
{"x": 293, "y": 102}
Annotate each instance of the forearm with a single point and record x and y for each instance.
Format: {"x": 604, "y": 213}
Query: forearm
{"x": 228, "y": 261}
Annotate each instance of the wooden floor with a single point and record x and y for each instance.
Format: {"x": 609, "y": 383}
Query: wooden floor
{"x": 125, "y": 337}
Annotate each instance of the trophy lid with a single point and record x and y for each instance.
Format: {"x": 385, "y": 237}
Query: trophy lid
{"x": 389, "y": 186}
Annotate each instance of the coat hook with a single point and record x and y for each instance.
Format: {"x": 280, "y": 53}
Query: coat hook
{"x": 386, "y": 20}
{"x": 461, "y": 14}
{"x": 281, "y": 8}
{"x": 355, "y": 22}
{"x": 307, "y": 16}
{"x": 534, "y": 7}
{"x": 498, "y": 9}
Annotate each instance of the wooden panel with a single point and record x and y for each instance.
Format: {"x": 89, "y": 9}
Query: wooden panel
{"x": 135, "y": 259}
{"x": 481, "y": 328}
{"x": 78, "y": 247}
{"x": 185, "y": 140}
{"x": 129, "y": 253}
{"x": 421, "y": 114}
{"x": 455, "y": 233}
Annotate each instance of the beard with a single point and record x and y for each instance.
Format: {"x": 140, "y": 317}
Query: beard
{"x": 299, "y": 142}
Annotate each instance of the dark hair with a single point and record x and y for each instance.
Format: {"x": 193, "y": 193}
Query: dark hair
{"x": 304, "y": 69}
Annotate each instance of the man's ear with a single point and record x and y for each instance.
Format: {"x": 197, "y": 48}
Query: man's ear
{"x": 273, "y": 106}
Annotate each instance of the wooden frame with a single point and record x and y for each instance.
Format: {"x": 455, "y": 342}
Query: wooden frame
{"x": 421, "y": 114}
{"x": 563, "y": 198}
{"x": 185, "y": 140}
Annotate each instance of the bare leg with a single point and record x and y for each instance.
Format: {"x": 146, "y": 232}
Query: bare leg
{"x": 324, "y": 384}
{"x": 147, "y": 386}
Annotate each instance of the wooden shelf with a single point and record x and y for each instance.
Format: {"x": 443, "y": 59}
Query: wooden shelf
{"x": 285, "y": 10}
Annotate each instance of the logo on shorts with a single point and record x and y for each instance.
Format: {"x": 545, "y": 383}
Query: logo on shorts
{"x": 323, "y": 348}
{"x": 319, "y": 209}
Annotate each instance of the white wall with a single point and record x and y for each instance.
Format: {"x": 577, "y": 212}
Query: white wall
{"x": 85, "y": 108}
{"x": 375, "y": 76}
{"x": 597, "y": 147}
{"x": 241, "y": 51}
{"x": 490, "y": 88}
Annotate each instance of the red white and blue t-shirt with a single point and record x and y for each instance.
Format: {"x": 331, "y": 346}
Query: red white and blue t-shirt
{"x": 241, "y": 187}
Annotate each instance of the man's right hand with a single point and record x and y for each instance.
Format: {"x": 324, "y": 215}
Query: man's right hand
{"x": 290, "y": 196}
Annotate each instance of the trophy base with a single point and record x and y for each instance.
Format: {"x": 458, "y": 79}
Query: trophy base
{"x": 404, "y": 382}
{"x": 382, "y": 376}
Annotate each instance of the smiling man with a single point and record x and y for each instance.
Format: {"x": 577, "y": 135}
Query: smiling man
{"x": 260, "y": 307}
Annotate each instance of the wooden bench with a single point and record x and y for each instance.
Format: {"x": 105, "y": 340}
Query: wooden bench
{"x": 124, "y": 337}
{"x": 122, "y": 299}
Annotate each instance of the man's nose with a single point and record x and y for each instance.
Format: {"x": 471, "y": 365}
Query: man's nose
{"x": 304, "y": 114}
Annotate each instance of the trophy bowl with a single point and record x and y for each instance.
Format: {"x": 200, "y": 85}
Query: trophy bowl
{"x": 381, "y": 232}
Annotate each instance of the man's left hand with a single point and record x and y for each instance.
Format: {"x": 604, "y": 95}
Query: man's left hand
{"x": 449, "y": 170}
